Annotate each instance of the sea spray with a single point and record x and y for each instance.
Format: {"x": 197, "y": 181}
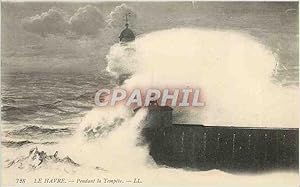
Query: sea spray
{"x": 118, "y": 150}
{"x": 233, "y": 70}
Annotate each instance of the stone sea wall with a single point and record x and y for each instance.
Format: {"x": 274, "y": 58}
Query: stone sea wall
{"x": 227, "y": 148}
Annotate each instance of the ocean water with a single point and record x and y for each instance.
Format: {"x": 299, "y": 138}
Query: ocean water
{"x": 45, "y": 106}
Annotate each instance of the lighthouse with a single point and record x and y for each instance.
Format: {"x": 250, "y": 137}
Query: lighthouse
{"x": 157, "y": 116}
{"x": 127, "y": 34}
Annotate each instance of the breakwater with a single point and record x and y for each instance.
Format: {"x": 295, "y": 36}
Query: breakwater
{"x": 227, "y": 148}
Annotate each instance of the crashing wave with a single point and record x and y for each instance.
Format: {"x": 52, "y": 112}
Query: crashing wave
{"x": 32, "y": 130}
{"x": 38, "y": 159}
{"x": 102, "y": 129}
{"x": 13, "y": 144}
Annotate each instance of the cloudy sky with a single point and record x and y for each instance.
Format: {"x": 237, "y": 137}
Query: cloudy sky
{"x": 74, "y": 37}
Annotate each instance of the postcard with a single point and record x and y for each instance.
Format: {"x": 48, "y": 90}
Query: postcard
{"x": 150, "y": 93}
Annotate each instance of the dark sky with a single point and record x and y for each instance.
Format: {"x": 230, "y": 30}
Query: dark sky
{"x": 275, "y": 24}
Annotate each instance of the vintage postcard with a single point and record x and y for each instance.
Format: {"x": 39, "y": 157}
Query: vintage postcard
{"x": 162, "y": 93}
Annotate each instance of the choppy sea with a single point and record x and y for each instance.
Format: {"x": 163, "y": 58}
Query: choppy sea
{"x": 40, "y": 107}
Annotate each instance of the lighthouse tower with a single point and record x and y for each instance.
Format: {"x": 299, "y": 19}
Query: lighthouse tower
{"x": 157, "y": 116}
{"x": 127, "y": 34}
